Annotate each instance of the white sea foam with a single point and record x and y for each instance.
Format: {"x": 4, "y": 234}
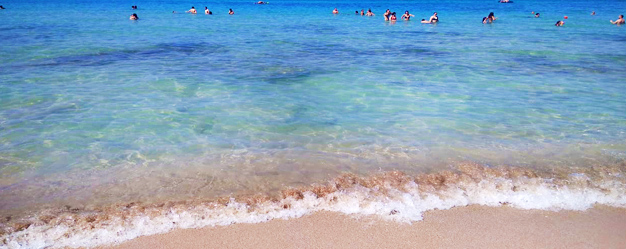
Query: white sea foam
{"x": 405, "y": 203}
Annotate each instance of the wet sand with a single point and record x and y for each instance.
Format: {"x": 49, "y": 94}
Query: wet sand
{"x": 465, "y": 227}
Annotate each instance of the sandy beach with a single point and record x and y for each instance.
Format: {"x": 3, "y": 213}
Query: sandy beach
{"x": 465, "y": 227}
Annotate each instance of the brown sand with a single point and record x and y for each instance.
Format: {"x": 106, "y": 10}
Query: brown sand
{"x": 466, "y": 227}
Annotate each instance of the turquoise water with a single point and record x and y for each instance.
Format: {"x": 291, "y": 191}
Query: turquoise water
{"x": 287, "y": 93}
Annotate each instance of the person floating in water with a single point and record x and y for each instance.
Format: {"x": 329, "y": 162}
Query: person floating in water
{"x": 261, "y": 2}
{"x": 593, "y": 13}
{"x": 491, "y": 17}
{"x": 207, "y": 11}
{"x": 434, "y": 18}
{"x": 425, "y": 21}
{"x": 369, "y": 12}
{"x": 231, "y": 12}
{"x": 536, "y": 15}
{"x": 387, "y": 14}
{"x": 407, "y": 16}
{"x": 134, "y": 17}
{"x": 362, "y": 12}
{"x": 192, "y": 10}
{"x": 559, "y": 23}
{"x": 335, "y": 11}
{"x": 620, "y": 20}
{"x": 356, "y": 12}
{"x": 1, "y": 7}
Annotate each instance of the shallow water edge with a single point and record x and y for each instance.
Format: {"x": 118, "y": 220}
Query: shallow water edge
{"x": 391, "y": 195}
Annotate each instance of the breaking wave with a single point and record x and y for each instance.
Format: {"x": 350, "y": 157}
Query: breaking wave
{"x": 391, "y": 195}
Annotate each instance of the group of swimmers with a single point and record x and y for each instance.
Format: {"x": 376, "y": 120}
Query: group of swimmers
{"x": 206, "y": 11}
{"x": 490, "y": 18}
{"x": 192, "y": 11}
{"x": 389, "y": 16}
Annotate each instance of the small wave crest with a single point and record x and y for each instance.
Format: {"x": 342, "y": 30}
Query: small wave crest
{"x": 391, "y": 195}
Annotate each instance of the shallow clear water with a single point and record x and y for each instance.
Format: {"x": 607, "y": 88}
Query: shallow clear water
{"x": 288, "y": 94}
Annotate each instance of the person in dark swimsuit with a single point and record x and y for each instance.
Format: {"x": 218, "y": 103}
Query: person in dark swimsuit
{"x": 434, "y": 18}
{"x": 406, "y": 16}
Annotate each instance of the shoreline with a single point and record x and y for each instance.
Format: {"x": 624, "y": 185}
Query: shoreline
{"x": 390, "y": 196}
{"x": 472, "y": 226}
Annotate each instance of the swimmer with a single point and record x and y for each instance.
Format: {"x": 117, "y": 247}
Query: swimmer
{"x": 559, "y": 23}
{"x": 491, "y": 17}
{"x": 1, "y": 7}
{"x": 231, "y": 12}
{"x": 620, "y": 20}
{"x": 387, "y": 14}
{"x": 362, "y": 12}
{"x": 369, "y": 12}
{"x": 335, "y": 11}
{"x": 424, "y": 21}
{"x": 260, "y": 2}
{"x": 406, "y": 15}
{"x": 192, "y": 10}
{"x": 393, "y": 17}
{"x": 536, "y": 15}
{"x": 434, "y": 18}
{"x": 356, "y": 12}
{"x": 134, "y": 17}
{"x": 593, "y": 13}
{"x": 207, "y": 11}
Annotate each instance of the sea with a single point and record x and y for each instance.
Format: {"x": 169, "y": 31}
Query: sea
{"x": 113, "y": 128}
